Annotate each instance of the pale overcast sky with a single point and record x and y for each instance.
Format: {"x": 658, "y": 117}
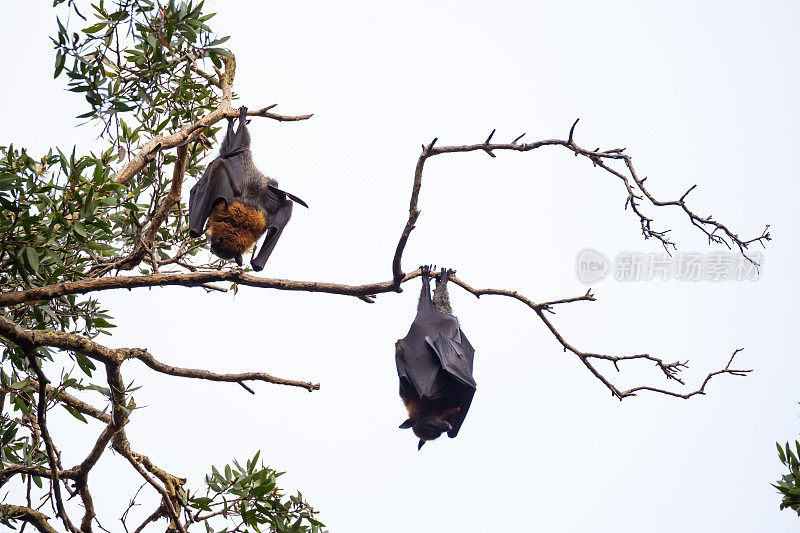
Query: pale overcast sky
{"x": 699, "y": 92}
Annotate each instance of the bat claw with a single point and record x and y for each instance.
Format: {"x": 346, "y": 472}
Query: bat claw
{"x": 445, "y": 273}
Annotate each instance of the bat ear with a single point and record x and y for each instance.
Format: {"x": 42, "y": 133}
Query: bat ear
{"x": 238, "y": 260}
{"x": 420, "y": 445}
{"x": 290, "y": 195}
{"x": 407, "y": 424}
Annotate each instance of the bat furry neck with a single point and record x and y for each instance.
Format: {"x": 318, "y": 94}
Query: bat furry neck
{"x": 235, "y": 228}
{"x": 441, "y": 298}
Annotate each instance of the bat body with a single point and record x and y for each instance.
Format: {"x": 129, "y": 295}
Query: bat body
{"x": 434, "y": 364}
{"x": 239, "y": 202}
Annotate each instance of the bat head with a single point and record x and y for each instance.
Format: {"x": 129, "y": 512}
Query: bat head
{"x": 430, "y": 426}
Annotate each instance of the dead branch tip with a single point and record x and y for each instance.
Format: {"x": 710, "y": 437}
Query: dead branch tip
{"x": 572, "y": 131}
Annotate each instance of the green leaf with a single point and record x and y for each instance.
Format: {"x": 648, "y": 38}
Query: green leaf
{"x": 95, "y": 27}
{"x": 60, "y": 58}
{"x": 102, "y": 323}
{"x": 780, "y": 453}
{"x": 202, "y": 503}
{"x": 74, "y": 412}
{"x": 80, "y": 229}
{"x": 33, "y": 258}
{"x": 85, "y": 363}
{"x": 9, "y": 434}
{"x": 790, "y": 454}
{"x": 19, "y": 384}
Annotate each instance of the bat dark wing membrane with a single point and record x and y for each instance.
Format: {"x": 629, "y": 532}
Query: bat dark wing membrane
{"x": 455, "y": 357}
{"x": 417, "y": 367}
{"x": 464, "y": 400}
{"x": 217, "y": 183}
{"x": 275, "y": 227}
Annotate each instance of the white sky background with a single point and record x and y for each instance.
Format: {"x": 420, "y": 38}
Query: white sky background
{"x": 698, "y": 92}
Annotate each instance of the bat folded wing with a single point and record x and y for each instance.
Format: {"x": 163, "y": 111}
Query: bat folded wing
{"x": 456, "y": 357}
{"x": 418, "y": 369}
{"x": 464, "y": 400}
{"x": 275, "y": 228}
{"x": 214, "y": 185}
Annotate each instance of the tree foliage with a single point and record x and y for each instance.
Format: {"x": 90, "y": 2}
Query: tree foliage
{"x": 64, "y": 217}
{"x": 789, "y": 484}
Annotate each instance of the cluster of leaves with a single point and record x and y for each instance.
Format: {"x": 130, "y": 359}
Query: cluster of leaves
{"x": 16, "y": 448}
{"x": 789, "y": 484}
{"x": 59, "y": 215}
{"x": 251, "y": 494}
{"x": 138, "y": 58}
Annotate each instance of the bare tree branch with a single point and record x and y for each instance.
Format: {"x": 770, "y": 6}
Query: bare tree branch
{"x": 413, "y": 214}
{"x": 545, "y": 306}
{"x": 143, "y": 465}
{"x": 114, "y": 357}
{"x": 701, "y": 390}
{"x": 670, "y": 370}
{"x": 10, "y": 471}
{"x": 715, "y": 231}
{"x": 191, "y": 279}
{"x": 145, "y": 357}
{"x": 41, "y": 417}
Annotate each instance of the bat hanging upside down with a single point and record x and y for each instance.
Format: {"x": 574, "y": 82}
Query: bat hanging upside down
{"x": 434, "y": 364}
{"x": 239, "y": 202}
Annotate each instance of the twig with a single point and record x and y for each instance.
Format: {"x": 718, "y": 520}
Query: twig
{"x": 122, "y": 447}
{"x": 145, "y": 357}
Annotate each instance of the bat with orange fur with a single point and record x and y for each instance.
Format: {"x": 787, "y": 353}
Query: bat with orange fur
{"x": 239, "y": 202}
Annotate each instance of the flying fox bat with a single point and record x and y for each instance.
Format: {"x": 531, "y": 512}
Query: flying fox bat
{"x": 434, "y": 364}
{"x": 239, "y": 202}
